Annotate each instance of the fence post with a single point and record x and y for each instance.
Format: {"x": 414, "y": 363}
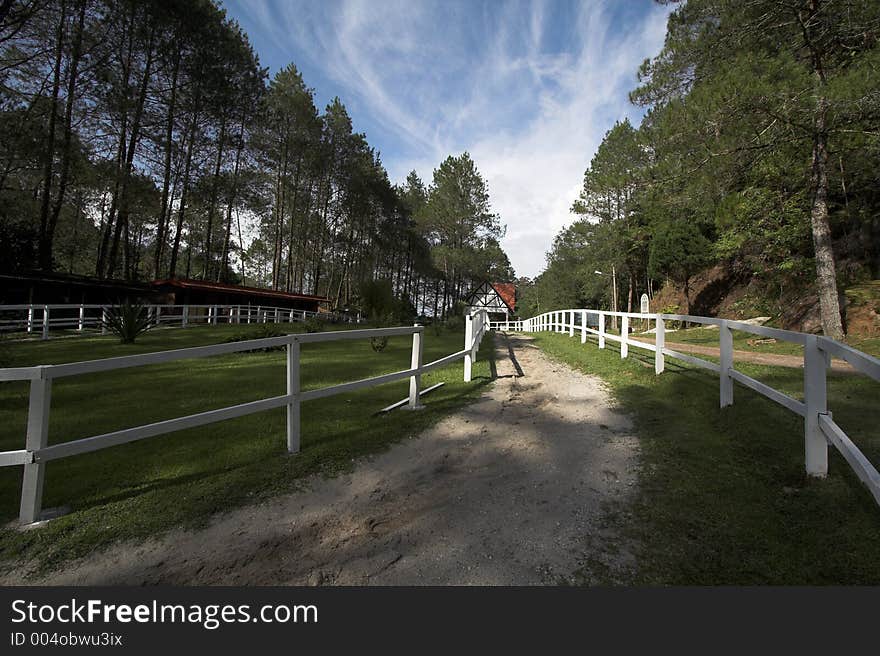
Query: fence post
{"x": 816, "y": 400}
{"x": 468, "y": 341}
{"x": 103, "y": 320}
{"x": 184, "y": 316}
{"x": 45, "y": 322}
{"x": 293, "y": 406}
{"x": 583, "y": 326}
{"x": 415, "y": 381}
{"x": 30, "y": 319}
{"x": 725, "y": 337}
{"x": 82, "y": 317}
{"x": 624, "y": 336}
{"x": 214, "y": 316}
{"x": 37, "y": 438}
{"x": 571, "y": 323}
{"x": 601, "y": 330}
{"x": 659, "y": 345}
{"x": 158, "y": 314}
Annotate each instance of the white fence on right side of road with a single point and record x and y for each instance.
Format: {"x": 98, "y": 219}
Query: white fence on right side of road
{"x": 820, "y": 430}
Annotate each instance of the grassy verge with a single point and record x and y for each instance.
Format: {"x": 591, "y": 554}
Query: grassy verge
{"x": 723, "y": 498}
{"x": 141, "y": 489}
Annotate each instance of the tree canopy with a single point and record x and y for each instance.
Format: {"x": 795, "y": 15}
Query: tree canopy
{"x": 144, "y": 140}
{"x": 759, "y": 151}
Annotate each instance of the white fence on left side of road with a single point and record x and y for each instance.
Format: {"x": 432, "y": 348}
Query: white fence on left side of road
{"x": 37, "y": 450}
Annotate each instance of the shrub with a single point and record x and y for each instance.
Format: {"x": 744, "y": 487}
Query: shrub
{"x": 314, "y": 324}
{"x": 127, "y": 321}
{"x": 455, "y": 323}
{"x": 264, "y": 331}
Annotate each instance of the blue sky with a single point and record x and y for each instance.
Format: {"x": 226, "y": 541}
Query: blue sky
{"x": 528, "y": 88}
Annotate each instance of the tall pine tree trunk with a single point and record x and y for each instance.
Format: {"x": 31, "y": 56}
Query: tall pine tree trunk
{"x": 45, "y": 241}
{"x": 826, "y": 272}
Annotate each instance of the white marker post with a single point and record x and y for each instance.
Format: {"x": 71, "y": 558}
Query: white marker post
{"x": 659, "y": 345}
{"x": 415, "y": 381}
{"x": 468, "y": 340}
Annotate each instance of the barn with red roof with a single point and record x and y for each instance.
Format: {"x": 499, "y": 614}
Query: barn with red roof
{"x": 498, "y": 298}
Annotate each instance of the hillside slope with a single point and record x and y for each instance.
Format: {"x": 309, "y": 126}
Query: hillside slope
{"x": 723, "y": 292}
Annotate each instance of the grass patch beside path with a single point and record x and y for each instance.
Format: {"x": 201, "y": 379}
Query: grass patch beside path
{"x": 138, "y": 490}
{"x": 723, "y": 498}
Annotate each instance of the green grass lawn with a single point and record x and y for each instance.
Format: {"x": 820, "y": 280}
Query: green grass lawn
{"x": 180, "y": 479}
{"x": 723, "y": 498}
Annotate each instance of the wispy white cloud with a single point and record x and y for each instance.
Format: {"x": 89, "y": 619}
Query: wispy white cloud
{"x": 529, "y": 89}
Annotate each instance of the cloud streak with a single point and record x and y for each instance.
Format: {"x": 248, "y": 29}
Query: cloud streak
{"x": 529, "y": 89}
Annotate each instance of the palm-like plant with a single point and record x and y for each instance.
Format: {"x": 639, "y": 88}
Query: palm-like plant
{"x": 127, "y": 321}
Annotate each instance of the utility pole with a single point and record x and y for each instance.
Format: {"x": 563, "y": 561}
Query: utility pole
{"x": 613, "y": 294}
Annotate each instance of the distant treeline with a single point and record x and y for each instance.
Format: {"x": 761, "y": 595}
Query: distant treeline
{"x": 760, "y": 150}
{"x": 143, "y": 139}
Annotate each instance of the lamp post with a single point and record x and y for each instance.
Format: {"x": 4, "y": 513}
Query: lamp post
{"x": 613, "y": 294}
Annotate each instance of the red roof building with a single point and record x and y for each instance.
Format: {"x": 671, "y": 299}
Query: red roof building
{"x": 499, "y": 298}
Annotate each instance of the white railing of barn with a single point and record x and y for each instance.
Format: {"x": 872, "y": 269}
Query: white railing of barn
{"x": 38, "y": 451}
{"x": 40, "y": 319}
{"x": 820, "y": 430}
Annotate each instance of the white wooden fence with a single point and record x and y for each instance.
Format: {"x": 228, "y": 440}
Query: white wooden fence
{"x": 38, "y": 451}
{"x": 819, "y": 426}
{"x": 40, "y": 319}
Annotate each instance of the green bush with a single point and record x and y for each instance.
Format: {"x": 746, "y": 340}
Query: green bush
{"x": 314, "y": 324}
{"x": 263, "y": 331}
{"x": 127, "y": 321}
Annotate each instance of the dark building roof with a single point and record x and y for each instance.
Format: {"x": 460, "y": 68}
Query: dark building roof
{"x": 204, "y": 286}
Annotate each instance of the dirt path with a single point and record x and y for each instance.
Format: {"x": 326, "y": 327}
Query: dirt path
{"x": 753, "y": 357}
{"x": 513, "y": 489}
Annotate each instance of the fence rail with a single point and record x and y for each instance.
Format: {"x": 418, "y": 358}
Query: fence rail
{"x": 40, "y": 319}
{"x": 38, "y": 451}
{"x": 820, "y": 430}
